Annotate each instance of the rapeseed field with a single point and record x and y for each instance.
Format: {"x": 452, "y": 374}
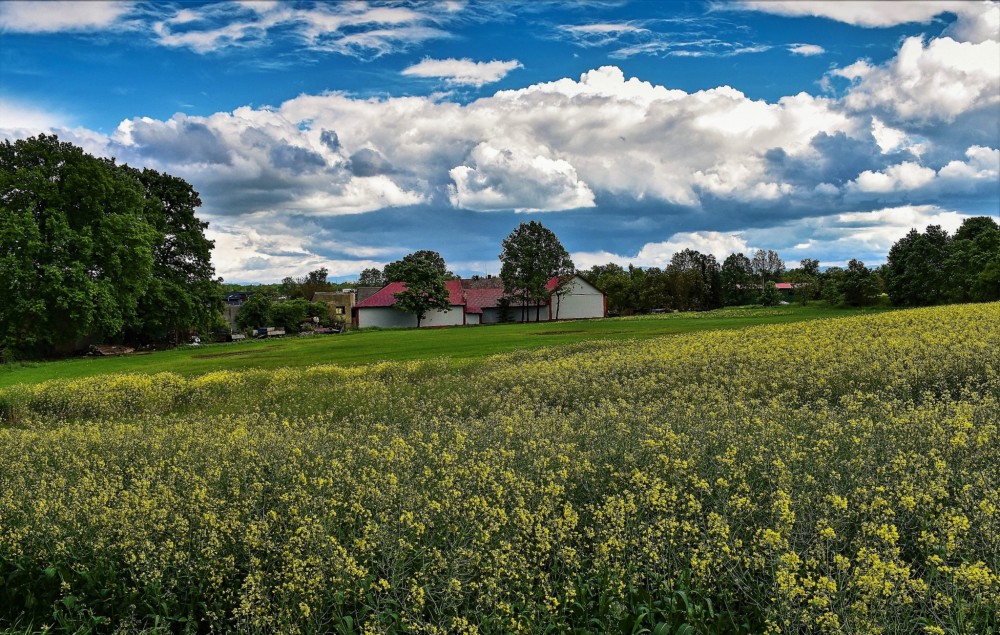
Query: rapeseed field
{"x": 835, "y": 476}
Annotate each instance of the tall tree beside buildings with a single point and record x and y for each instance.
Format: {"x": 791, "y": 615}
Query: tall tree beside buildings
{"x": 621, "y": 286}
{"x": 424, "y": 273}
{"x": 531, "y": 256}
{"x": 394, "y": 271}
{"x": 767, "y": 266}
{"x": 805, "y": 280}
{"x": 89, "y": 249}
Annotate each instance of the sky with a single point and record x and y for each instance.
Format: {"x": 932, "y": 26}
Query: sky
{"x": 346, "y": 135}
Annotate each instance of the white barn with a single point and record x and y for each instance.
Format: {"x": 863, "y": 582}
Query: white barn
{"x": 478, "y": 301}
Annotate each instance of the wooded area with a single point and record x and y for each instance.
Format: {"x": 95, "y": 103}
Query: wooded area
{"x": 92, "y": 251}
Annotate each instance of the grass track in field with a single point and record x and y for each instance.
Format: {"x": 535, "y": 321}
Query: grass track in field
{"x": 367, "y": 346}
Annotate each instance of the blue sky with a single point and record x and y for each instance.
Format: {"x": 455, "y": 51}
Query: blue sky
{"x": 346, "y": 135}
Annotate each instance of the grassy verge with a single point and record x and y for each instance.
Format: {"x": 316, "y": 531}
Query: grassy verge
{"x": 461, "y": 344}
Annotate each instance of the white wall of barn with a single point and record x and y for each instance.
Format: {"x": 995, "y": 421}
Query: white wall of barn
{"x": 581, "y": 300}
{"x": 390, "y": 318}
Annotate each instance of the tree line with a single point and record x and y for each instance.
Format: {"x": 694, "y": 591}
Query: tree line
{"x": 923, "y": 268}
{"x": 93, "y": 251}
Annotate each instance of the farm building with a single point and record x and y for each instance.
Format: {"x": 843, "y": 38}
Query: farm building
{"x": 340, "y": 303}
{"x": 479, "y": 301}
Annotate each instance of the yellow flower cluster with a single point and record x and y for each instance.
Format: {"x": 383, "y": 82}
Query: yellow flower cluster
{"x": 838, "y": 476}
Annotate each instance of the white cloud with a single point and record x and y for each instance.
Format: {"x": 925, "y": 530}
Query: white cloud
{"x": 888, "y": 139}
{"x": 983, "y": 165}
{"x": 601, "y": 33}
{"x": 658, "y": 254}
{"x": 717, "y": 244}
{"x": 903, "y": 176}
{"x": 548, "y": 147}
{"x": 807, "y": 50}
{"x": 16, "y": 115}
{"x": 349, "y": 28}
{"x": 252, "y": 253}
{"x": 837, "y": 238}
{"x": 977, "y": 22}
{"x": 861, "y": 12}
{"x": 936, "y": 82}
{"x": 56, "y": 16}
{"x": 552, "y": 146}
{"x": 604, "y": 27}
{"x": 464, "y": 71}
{"x": 514, "y": 179}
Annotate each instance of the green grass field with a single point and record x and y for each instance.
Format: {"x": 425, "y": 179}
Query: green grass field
{"x": 363, "y": 347}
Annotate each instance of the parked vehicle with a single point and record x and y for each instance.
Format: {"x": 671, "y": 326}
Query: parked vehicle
{"x": 268, "y": 331}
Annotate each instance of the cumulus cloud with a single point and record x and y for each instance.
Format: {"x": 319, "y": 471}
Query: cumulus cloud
{"x": 508, "y": 179}
{"x": 982, "y": 166}
{"x": 904, "y": 176}
{"x": 887, "y": 138}
{"x": 53, "y": 16}
{"x": 18, "y": 116}
{"x": 463, "y": 71}
{"x": 717, "y": 244}
{"x": 658, "y": 254}
{"x": 937, "y": 81}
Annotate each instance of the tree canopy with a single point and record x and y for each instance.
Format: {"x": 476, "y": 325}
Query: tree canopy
{"x": 424, "y": 273}
{"x": 93, "y": 250}
{"x": 532, "y": 255}
{"x": 372, "y": 277}
{"x": 931, "y": 267}
{"x": 394, "y": 271}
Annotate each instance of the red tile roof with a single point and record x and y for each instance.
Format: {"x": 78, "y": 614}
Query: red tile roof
{"x": 475, "y": 295}
{"x": 386, "y": 296}
{"x": 482, "y": 298}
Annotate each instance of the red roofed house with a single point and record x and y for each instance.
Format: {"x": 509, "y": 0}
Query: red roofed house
{"x": 477, "y": 301}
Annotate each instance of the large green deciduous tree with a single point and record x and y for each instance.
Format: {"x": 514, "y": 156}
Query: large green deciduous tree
{"x": 76, "y": 251}
{"x": 973, "y": 263}
{"x": 532, "y": 255}
{"x": 859, "y": 285}
{"x": 395, "y": 271}
{"x": 737, "y": 280}
{"x": 916, "y": 269}
{"x": 91, "y": 249}
{"x": 424, "y": 273}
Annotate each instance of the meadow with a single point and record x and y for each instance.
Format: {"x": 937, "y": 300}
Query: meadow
{"x": 461, "y": 344}
{"x": 825, "y": 476}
